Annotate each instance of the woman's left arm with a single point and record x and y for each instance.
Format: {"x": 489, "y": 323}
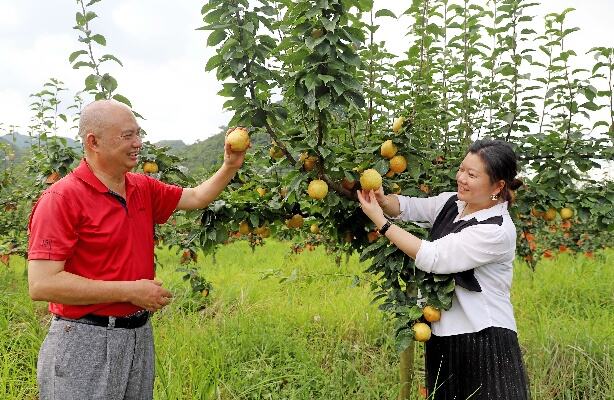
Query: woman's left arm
{"x": 405, "y": 241}
{"x": 470, "y": 248}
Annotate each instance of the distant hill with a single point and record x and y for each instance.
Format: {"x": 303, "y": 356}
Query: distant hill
{"x": 204, "y": 156}
{"x": 20, "y": 144}
{"x": 200, "y": 158}
{"x": 17, "y": 140}
{"x": 173, "y": 144}
{"x": 24, "y": 142}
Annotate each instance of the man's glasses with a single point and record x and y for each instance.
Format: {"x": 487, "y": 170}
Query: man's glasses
{"x": 132, "y": 136}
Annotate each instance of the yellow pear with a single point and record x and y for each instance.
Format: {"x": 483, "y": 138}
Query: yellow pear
{"x": 550, "y": 214}
{"x": 431, "y": 314}
{"x": 238, "y": 139}
{"x": 388, "y": 149}
{"x": 348, "y": 184}
{"x": 244, "y": 228}
{"x": 261, "y": 191}
{"x": 310, "y": 163}
{"x": 536, "y": 213}
{"x": 263, "y": 231}
{"x": 398, "y": 164}
{"x": 397, "y": 124}
{"x": 276, "y": 152}
{"x": 314, "y": 228}
{"x": 566, "y": 213}
{"x": 317, "y": 33}
{"x": 295, "y": 222}
{"x": 318, "y": 189}
{"x": 150, "y": 167}
{"x": 422, "y": 332}
{"x": 370, "y": 180}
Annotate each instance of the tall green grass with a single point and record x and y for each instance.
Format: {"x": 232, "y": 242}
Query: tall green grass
{"x": 282, "y": 326}
{"x": 565, "y": 313}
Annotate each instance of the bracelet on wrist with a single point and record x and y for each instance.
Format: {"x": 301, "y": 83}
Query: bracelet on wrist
{"x": 384, "y": 228}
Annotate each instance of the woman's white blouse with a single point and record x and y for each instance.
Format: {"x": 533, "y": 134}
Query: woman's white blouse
{"x": 488, "y": 248}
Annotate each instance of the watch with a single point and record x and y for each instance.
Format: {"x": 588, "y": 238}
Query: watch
{"x": 384, "y": 228}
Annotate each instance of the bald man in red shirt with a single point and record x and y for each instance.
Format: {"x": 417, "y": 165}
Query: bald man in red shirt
{"x": 91, "y": 256}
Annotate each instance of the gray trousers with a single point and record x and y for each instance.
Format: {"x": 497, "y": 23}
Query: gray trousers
{"x": 79, "y": 361}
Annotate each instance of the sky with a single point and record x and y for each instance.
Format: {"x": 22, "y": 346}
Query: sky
{"x": 164, "y": 56}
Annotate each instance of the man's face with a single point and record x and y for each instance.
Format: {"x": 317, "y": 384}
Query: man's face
{"x": 121, "y": 141}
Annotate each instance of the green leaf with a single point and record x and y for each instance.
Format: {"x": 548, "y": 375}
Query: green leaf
{"x": 122, "y": 99}
{"x": 403, "y": 339}
{"x": 508, "y": 117}
{"x": 216, "y": 37}
{"x": 108, "y": 83}
{"x": 80, "y": 64}
{"x": 382, "y": 166}
{"x": 311, "y": 42}
{"x": 324, "y": 101}
{"x": 590, "y": 106}
{"x": 326, "y": 78}
{"x": 90, "y": 15}
{"x": 98, "y": 38}
{"x": 255, "y": 221}
{"x": 385, "y": 13}
{"x": 80, "y": 20}
{"x": 110, "y": 57}
{"x": 91, "y": 82}
{"x": 74, "y": 55}
{"x": 356, "y": 99}
{"x": 213, "y": 63}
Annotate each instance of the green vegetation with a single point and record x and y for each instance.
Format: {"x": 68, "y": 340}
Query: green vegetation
{"x": 282, "y": 326}
{"x": 203, "y": 157}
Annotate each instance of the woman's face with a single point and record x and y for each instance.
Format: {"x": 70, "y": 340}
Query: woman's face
{"x": 473, "y": 182}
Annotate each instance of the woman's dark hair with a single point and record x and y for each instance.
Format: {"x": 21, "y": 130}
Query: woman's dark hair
{"x": 501, "y": 164}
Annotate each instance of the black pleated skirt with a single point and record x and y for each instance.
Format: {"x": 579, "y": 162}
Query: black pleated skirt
{"x": 485, "y": 365}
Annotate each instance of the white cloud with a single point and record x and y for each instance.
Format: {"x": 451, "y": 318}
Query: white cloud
{"x": 10, "y": 15}
{"x": 149, "y": 19}
{"x": 14, "y": 107}
{"x": 29, "y": 68}
{"x": 177, "y": 98}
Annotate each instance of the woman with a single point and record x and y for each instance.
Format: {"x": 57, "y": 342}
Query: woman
{"x": 474, "y": 351}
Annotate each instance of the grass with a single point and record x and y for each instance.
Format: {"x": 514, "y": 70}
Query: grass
{"x": 281, "y": 326}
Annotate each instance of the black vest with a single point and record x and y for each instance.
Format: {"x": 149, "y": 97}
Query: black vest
{"x": 444, "y": 224}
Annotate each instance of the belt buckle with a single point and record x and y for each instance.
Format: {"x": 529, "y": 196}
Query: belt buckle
{"x": 135, "y": 318}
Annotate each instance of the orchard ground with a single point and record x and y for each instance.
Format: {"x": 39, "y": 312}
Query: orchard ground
{"x": 283, "y": 326}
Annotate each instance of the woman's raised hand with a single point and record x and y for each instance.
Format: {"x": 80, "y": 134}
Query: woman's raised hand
{"x": 381, "y": 198}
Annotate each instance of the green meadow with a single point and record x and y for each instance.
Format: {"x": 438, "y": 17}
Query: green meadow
{"x": 283, "y": 326}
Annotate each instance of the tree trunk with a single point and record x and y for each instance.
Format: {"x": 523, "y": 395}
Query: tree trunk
{"x": 406, "y": 365}
{"x": 406, "y": 372}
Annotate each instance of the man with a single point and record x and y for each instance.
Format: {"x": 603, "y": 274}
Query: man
{"x": 91, "y": 256}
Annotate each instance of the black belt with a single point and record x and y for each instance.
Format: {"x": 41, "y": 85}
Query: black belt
{"x": 132, "y": 321}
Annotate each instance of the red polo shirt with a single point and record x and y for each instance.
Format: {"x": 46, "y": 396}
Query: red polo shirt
{"x": 98, "y": 234}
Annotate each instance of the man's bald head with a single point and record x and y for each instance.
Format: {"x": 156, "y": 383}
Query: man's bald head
{"x": 98, "y": 116}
